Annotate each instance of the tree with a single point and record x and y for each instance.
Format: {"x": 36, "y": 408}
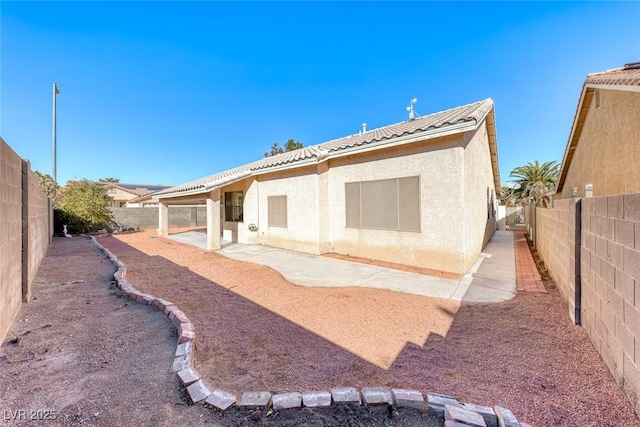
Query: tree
{"x": 49, "y": 186}
{"x": 115, "y": 180}
{"x": 532, "y": 183}
{"x": 290, "y": 145}
{"x": 83, "y": 206}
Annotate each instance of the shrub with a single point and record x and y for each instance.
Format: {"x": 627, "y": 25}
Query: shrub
{"x": 83, "y": 206}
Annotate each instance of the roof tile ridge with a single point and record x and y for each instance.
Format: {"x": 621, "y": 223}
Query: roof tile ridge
{"x": 404, "y": 122}
{"x": 598, "y": 73}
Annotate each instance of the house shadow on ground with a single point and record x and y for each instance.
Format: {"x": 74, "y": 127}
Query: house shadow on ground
{"x": 523, "y": 354}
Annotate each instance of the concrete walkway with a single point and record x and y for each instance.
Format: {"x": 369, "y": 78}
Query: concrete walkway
{"x": 491, "y": 279}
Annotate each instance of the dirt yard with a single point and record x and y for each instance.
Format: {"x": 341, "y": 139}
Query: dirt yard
{"x": 81, "y": 354}
{"x": 257, "y": 331}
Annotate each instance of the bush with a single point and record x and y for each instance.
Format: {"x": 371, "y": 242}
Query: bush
{"x": 83, "y": 206}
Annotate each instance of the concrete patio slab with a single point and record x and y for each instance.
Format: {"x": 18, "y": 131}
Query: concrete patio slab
{"x": 491, "y": 279}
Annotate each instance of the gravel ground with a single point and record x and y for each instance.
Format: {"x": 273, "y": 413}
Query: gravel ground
{"x": 257, "y": 331}
{"x": 80, "y": 354}
{"x": 90, "y": 357}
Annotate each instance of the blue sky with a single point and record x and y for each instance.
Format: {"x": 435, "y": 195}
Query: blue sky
{"x": 164, "y": 92}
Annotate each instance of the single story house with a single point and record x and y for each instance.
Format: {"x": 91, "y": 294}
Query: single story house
{"x": 420, "y": 192}
{"x": 132, "y": 195}
{"x": 602, "y": 155}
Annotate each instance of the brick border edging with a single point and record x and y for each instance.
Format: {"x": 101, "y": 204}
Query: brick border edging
{"x": 445, "y": 407}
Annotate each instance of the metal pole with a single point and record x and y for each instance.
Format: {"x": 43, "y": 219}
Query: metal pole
{"x": 55, "y": 92}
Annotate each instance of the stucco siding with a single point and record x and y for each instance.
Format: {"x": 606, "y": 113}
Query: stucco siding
{"x": 438, "y": 245}
{"x": 479, "y": 196}
{"x": 119, "y": 196}
{"x": 300, "y": 187}
{"x": 250, "y": 212}
{"x": 607, "y": 154}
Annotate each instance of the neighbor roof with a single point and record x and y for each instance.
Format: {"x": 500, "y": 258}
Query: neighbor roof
{"x": 137, "y": 189}
{"x": 625, "y": 78}
{"x": 438, "y": 124}
{"x": 629, "y": 75}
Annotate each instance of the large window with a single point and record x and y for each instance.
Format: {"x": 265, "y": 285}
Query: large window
{"x": 233, "y": 206}
{"x": 277, "y": 211}
{"x": 386, "y": 204}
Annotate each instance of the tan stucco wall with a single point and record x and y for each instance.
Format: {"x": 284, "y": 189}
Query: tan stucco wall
{"x": 119, "y": 196}
{"x": 447, "y": 167}
{"x": 300, "y": 186}
{"x": 455, "y": 172}
{"x": 439, "y": 164}
{"x": 607, "y": 153}
{"x": 479, "y": 216}
{"x": 251, "y": 212}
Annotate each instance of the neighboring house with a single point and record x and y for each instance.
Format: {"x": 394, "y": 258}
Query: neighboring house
{"x": 589, "y": 241}
{"x": 132, "y": 195}
{"x": 603, "y": 151}
{"x": 421, "y": 192}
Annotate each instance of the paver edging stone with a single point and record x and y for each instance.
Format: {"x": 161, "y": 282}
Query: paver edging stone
{"x": 317, "y": 398}
{"x": 200, "y": 391}
{"x": 464, "y": 416}
{"x": 286, "y": 400}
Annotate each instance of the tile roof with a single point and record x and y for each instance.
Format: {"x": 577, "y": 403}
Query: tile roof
{"x": 629, "y": 75}
{"x": 471, "y": 113}
{"x": 137, "y": 189}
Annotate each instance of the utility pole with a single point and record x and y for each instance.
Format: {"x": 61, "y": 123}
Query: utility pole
{"x": 55, "y": 93}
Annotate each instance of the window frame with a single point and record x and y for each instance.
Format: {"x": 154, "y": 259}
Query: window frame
{"x": 230, "y": 208}
{"x": 357, "y": 216}
{"x": 273, "y": 210}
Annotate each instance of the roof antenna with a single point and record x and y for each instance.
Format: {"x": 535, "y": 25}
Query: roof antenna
{"x": 411, "y": 110}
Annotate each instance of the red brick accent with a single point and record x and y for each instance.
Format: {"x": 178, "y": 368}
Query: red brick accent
{"x": 527, "y": 276}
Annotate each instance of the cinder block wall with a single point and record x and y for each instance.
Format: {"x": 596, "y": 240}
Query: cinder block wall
{"x": 25, "y": 233}
{"x": 10, "y": 236}
{"x": 555, "y": 242}
{"x": 608, "y": 275}
{"x": 610, "y": 270}
{"x": 147, "y": 218}
{"x": 36, "y": 230}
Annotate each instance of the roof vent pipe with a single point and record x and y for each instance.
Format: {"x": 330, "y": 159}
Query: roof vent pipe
{"x": 364, "y": 127}
{"x": 410, "y": 109}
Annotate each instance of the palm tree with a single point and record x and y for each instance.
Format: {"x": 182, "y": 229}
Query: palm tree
{"x": 532, "y": 183}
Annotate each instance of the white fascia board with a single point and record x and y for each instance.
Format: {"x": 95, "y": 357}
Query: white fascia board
{"x": 216, "y": 184}
{"x": 207, "y": 188}
{"x": 200, "y": 190}
{"x": 626, "y": 88}
{"x": 565, "y": 157}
